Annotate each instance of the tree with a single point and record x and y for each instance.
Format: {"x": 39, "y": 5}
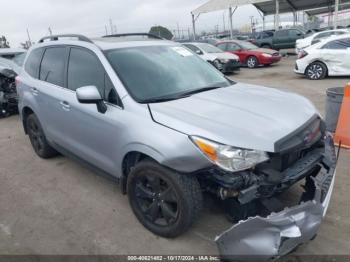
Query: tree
{"x": 161, "y": 31}
{"x": 3, "y": 42}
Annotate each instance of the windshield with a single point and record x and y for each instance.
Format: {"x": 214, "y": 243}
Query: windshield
{"x": 156, "y": 72}
{"x": 247, "y": 45}
{"x": 209, "y": 48}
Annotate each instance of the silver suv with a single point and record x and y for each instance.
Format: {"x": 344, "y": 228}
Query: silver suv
{"x": 170, "y": 127}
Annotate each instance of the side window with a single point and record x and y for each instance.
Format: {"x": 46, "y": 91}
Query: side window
{"x": 294, "y": 33}
{"x": 281, "y": 33}
{"x": 193, "y": 48}
{"x": 233, "y": 47}
{"x": 52, "y": 66}
{"x": 222, "y": 46}
{"x": 338, "y": 44}
{"x": 323, "y": 35}
{"x": 33, "y": 62}
{"x": 84, "y": 69}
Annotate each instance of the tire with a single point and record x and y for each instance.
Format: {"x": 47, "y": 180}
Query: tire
{"x": 38, "y": 139}
{"x": 252, "y": 62}
{"x": 316, "y": 71}
{"x": 165, "y": 202}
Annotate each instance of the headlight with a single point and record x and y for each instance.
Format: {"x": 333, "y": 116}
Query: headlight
{"x": 266, "y": 55}
{"x": 229, "y": 158}
{"x": 224, "y": 61}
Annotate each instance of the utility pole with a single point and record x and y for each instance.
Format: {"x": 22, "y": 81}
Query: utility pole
{"x": 178, "y": 30}
{"x": 106, "y": 30}
{"x": 29, "y": 40}
{"x": 224, "y": 22}
{"x": 335, "y": 17}
{"x": 111, "y": 25}
{"x": 50, "y": 31}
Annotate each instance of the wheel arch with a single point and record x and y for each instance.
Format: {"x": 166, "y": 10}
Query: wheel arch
{"x": 131, "y": 158}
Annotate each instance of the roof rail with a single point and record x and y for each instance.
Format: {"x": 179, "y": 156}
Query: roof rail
{"x": 135, "y": 34}
{"x": 55, "y": 37}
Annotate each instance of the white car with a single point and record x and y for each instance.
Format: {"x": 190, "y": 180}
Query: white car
{"x": 317, "y": 37}
{"x": 330, "y": 57}
{"x": 225, "y": 62}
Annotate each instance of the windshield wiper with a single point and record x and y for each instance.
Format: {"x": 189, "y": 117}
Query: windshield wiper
{"x": 180, "y": 95}
{"x": 200, "y": 90}
{"x": 163, "y": 99}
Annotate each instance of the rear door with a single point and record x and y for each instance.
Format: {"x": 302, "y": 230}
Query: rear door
{"x": 336, "y": 54}
{"x": 51, "y": 92}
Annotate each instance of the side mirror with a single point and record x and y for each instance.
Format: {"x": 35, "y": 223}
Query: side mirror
{"x": 199, "y": 52}
{"x": 90, "y": 95}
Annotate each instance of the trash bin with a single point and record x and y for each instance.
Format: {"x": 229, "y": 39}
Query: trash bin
{"x": 333, "y": 104}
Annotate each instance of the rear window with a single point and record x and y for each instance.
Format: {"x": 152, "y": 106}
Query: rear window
{"x": 52, "y": 66}
{"x": 33, "y": 62}
{"x": 338, "y": 44}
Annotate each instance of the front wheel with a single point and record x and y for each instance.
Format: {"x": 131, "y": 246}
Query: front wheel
{"x": 316, "y": 71}
{"x": 165, "y": 202}
{"x": 252, "y": 62}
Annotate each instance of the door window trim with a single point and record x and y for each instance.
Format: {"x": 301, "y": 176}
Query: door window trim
{"x": 121, "y": 106}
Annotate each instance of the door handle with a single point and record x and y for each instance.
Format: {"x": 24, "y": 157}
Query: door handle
{"x": 34, "y": 91}
{"x": 65, "y": 105}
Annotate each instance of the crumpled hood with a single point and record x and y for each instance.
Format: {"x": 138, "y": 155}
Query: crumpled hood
{"x": 241, "y": 115}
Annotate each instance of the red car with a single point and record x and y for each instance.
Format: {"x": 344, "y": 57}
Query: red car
{"x": 249, "y": 54}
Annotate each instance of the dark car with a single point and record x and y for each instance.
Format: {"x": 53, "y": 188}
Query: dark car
{"x": 249, "y": 54}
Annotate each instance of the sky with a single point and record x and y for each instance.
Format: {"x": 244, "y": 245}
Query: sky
{"x": 90, "y": 17}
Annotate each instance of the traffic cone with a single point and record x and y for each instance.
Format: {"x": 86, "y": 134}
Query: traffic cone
{"x": 342, "y": 133}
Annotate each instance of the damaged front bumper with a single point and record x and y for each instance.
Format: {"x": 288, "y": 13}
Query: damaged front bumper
{"x": 265, "y": 238}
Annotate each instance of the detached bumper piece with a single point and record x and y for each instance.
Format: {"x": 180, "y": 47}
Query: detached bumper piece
{"x": 266, "y": 238}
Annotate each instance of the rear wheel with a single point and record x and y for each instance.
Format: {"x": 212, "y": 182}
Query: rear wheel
{"x": 38, "y": 139}
{"x": 165, "y": 202}
{"x": 316, "y": 71}
{"x": 252, "y": 62}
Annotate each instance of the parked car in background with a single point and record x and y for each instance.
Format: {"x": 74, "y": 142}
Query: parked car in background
{"x": 281, "y": 39}
{"x": 262, "y": 39}
{"x": 249, "y": 54}
{"x": 317, "y": 37}
{"x": 10, "y": 53}
{"x": 9, "y": 69}
{"x": 225, "y": 62}
{"x": 330, "y": 57}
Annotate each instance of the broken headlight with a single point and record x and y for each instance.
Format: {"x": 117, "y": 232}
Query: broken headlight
{"x": 229, "y": 158}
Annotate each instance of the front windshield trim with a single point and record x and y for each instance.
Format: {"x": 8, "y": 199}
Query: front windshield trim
{"x": 129, "y": 90}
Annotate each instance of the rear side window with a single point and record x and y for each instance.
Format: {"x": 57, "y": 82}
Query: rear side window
{"x": 52, "y": 66}
{"x": 33, "y": 62}
{"x": 233, "y": 47}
